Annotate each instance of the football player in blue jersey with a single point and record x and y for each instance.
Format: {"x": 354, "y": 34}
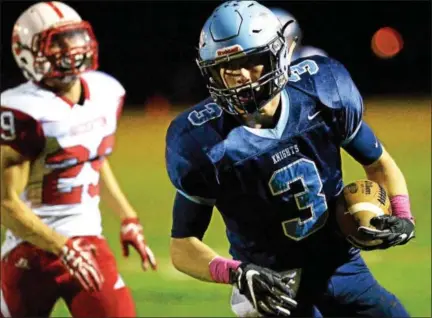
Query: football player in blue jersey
{"x": 293, "y": 29}
{"x": 265, "y": 150}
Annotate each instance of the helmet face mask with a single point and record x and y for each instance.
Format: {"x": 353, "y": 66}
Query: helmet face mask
{"x": 242, "y": 35}
{"x": 255, "y": 93}
{"x": 65, "y": 51}
{"x": 70, "y": 49}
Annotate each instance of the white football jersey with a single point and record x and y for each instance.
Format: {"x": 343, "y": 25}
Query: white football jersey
{"x": 66, "y": 144}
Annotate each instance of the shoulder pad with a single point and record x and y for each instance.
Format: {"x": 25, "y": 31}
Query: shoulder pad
{"x": 29, "y": 99}
{"x": 195, "y": 118}
{"x": 103, "y": 83}
{"x": 324, "y": 78}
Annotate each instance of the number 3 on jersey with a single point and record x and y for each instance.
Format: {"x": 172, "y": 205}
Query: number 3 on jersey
{"x": 301, "y": 180}
{"x": 67, "y": 163}
{"x": 306, "y": 66}
{"x": 211, "y": 111}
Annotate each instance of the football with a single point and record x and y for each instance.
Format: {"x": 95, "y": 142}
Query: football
{"x": 360, "y": 201}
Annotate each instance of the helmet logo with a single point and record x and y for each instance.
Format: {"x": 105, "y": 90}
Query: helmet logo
{"x": 259, "y": 23}
{"x": 229, "y": 50}
{"x": 16, "y": 42}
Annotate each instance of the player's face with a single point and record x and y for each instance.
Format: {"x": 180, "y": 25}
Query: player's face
{"x": 67, "y": 48}
{"x": 238, "y": 77}
{"x": 69, "y": 39}
{"x": 246, "y": 70}
{"x": 70, "y": 51}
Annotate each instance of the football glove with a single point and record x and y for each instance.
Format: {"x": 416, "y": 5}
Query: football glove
{"x": 131, "y": 233}
{"x": 268, "y": 291}
{"x": 392, "y": 230}
{"x": 77, "y": 256}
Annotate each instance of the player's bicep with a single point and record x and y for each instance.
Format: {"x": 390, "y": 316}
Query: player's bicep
{"x": 21, "y": 139}
{"x": 364, "y": 146}
{"x": 9, "y": 157}
{"x": 190, "y": 218}
{"x": 14, "y": 172}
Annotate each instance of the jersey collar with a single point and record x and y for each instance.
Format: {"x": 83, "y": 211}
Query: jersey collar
{"x": 276, "y": 132}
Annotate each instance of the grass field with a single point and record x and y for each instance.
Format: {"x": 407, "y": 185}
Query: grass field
{"x": 403, "y": 126}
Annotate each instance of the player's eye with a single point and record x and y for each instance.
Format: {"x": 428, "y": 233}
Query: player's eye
{"x": 70, "y": 38}
{"x": 254, "y": 63}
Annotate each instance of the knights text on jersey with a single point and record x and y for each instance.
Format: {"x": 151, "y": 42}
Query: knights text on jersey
{"x": 275, "y": 188}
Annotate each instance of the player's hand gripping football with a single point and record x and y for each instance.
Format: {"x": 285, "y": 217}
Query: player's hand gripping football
{"x": 131, "y": 233}
{"x": 78, "y": 257}
{"x": 392, "y": 230}
{"x": 267, "y": 290}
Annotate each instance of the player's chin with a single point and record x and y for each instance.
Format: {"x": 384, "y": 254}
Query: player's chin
{"x": 61, "y": 82}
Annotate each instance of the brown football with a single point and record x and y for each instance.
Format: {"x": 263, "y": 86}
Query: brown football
{"x": 360, "y": 201}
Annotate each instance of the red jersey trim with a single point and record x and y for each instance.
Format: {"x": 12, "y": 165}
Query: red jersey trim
{"x": 25, "y": 135}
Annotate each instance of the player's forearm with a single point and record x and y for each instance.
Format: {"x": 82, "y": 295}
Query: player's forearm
{"x": 386, "y": 173}
{"x": 113, "y": 195}
{"x": 192, "y": 257}
{"x": 17, "y": 217}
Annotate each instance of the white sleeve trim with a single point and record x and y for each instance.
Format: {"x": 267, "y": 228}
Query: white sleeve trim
{"x": 4, "y": 308}
{"x": 348, "y": 140}
{"x": 197, "y": 199}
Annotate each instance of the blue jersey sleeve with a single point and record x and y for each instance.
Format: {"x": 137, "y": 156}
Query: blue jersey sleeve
{"x": 191, "y": 174}
{"x": 189, "y": 219}
{"x": 364, "y": 146}
{"x": 357, "y": 137}
{"x": 189, "y": 170}
{"x": 351, "y": 102}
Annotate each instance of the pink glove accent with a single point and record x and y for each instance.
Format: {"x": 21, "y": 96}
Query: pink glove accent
{"x": 220, "y": 269}
{"x": 400, "y": 205}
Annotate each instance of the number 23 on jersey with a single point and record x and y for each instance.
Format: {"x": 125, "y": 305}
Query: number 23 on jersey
{"x": 59, "y": 186}
{"x": 74, "y": 158}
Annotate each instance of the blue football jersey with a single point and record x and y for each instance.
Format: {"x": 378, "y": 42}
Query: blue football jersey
{"x": 275, "y": 188}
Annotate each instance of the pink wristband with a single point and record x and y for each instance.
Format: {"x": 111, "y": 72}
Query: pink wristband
{"x": 220, "y": 269}
{"x": 400, "y": 205}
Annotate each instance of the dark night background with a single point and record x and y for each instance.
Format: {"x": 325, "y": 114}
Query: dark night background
{"x": 150, "y": 46}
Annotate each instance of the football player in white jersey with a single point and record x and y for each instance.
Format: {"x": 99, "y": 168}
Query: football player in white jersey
{"x": 294, "y": 30}
{"x": 56, "y": 131}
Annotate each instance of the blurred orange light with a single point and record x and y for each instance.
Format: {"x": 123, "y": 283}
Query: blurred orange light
{"x": 386, "y": 42}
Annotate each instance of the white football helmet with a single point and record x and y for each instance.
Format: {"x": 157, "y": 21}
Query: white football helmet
{"x": 50, "y": 40}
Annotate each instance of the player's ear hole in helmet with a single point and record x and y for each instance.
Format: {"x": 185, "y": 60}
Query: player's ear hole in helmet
{"x": 241, "y": 35}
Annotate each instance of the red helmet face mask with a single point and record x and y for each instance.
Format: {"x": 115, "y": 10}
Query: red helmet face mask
{"x": 71, "y": 49}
